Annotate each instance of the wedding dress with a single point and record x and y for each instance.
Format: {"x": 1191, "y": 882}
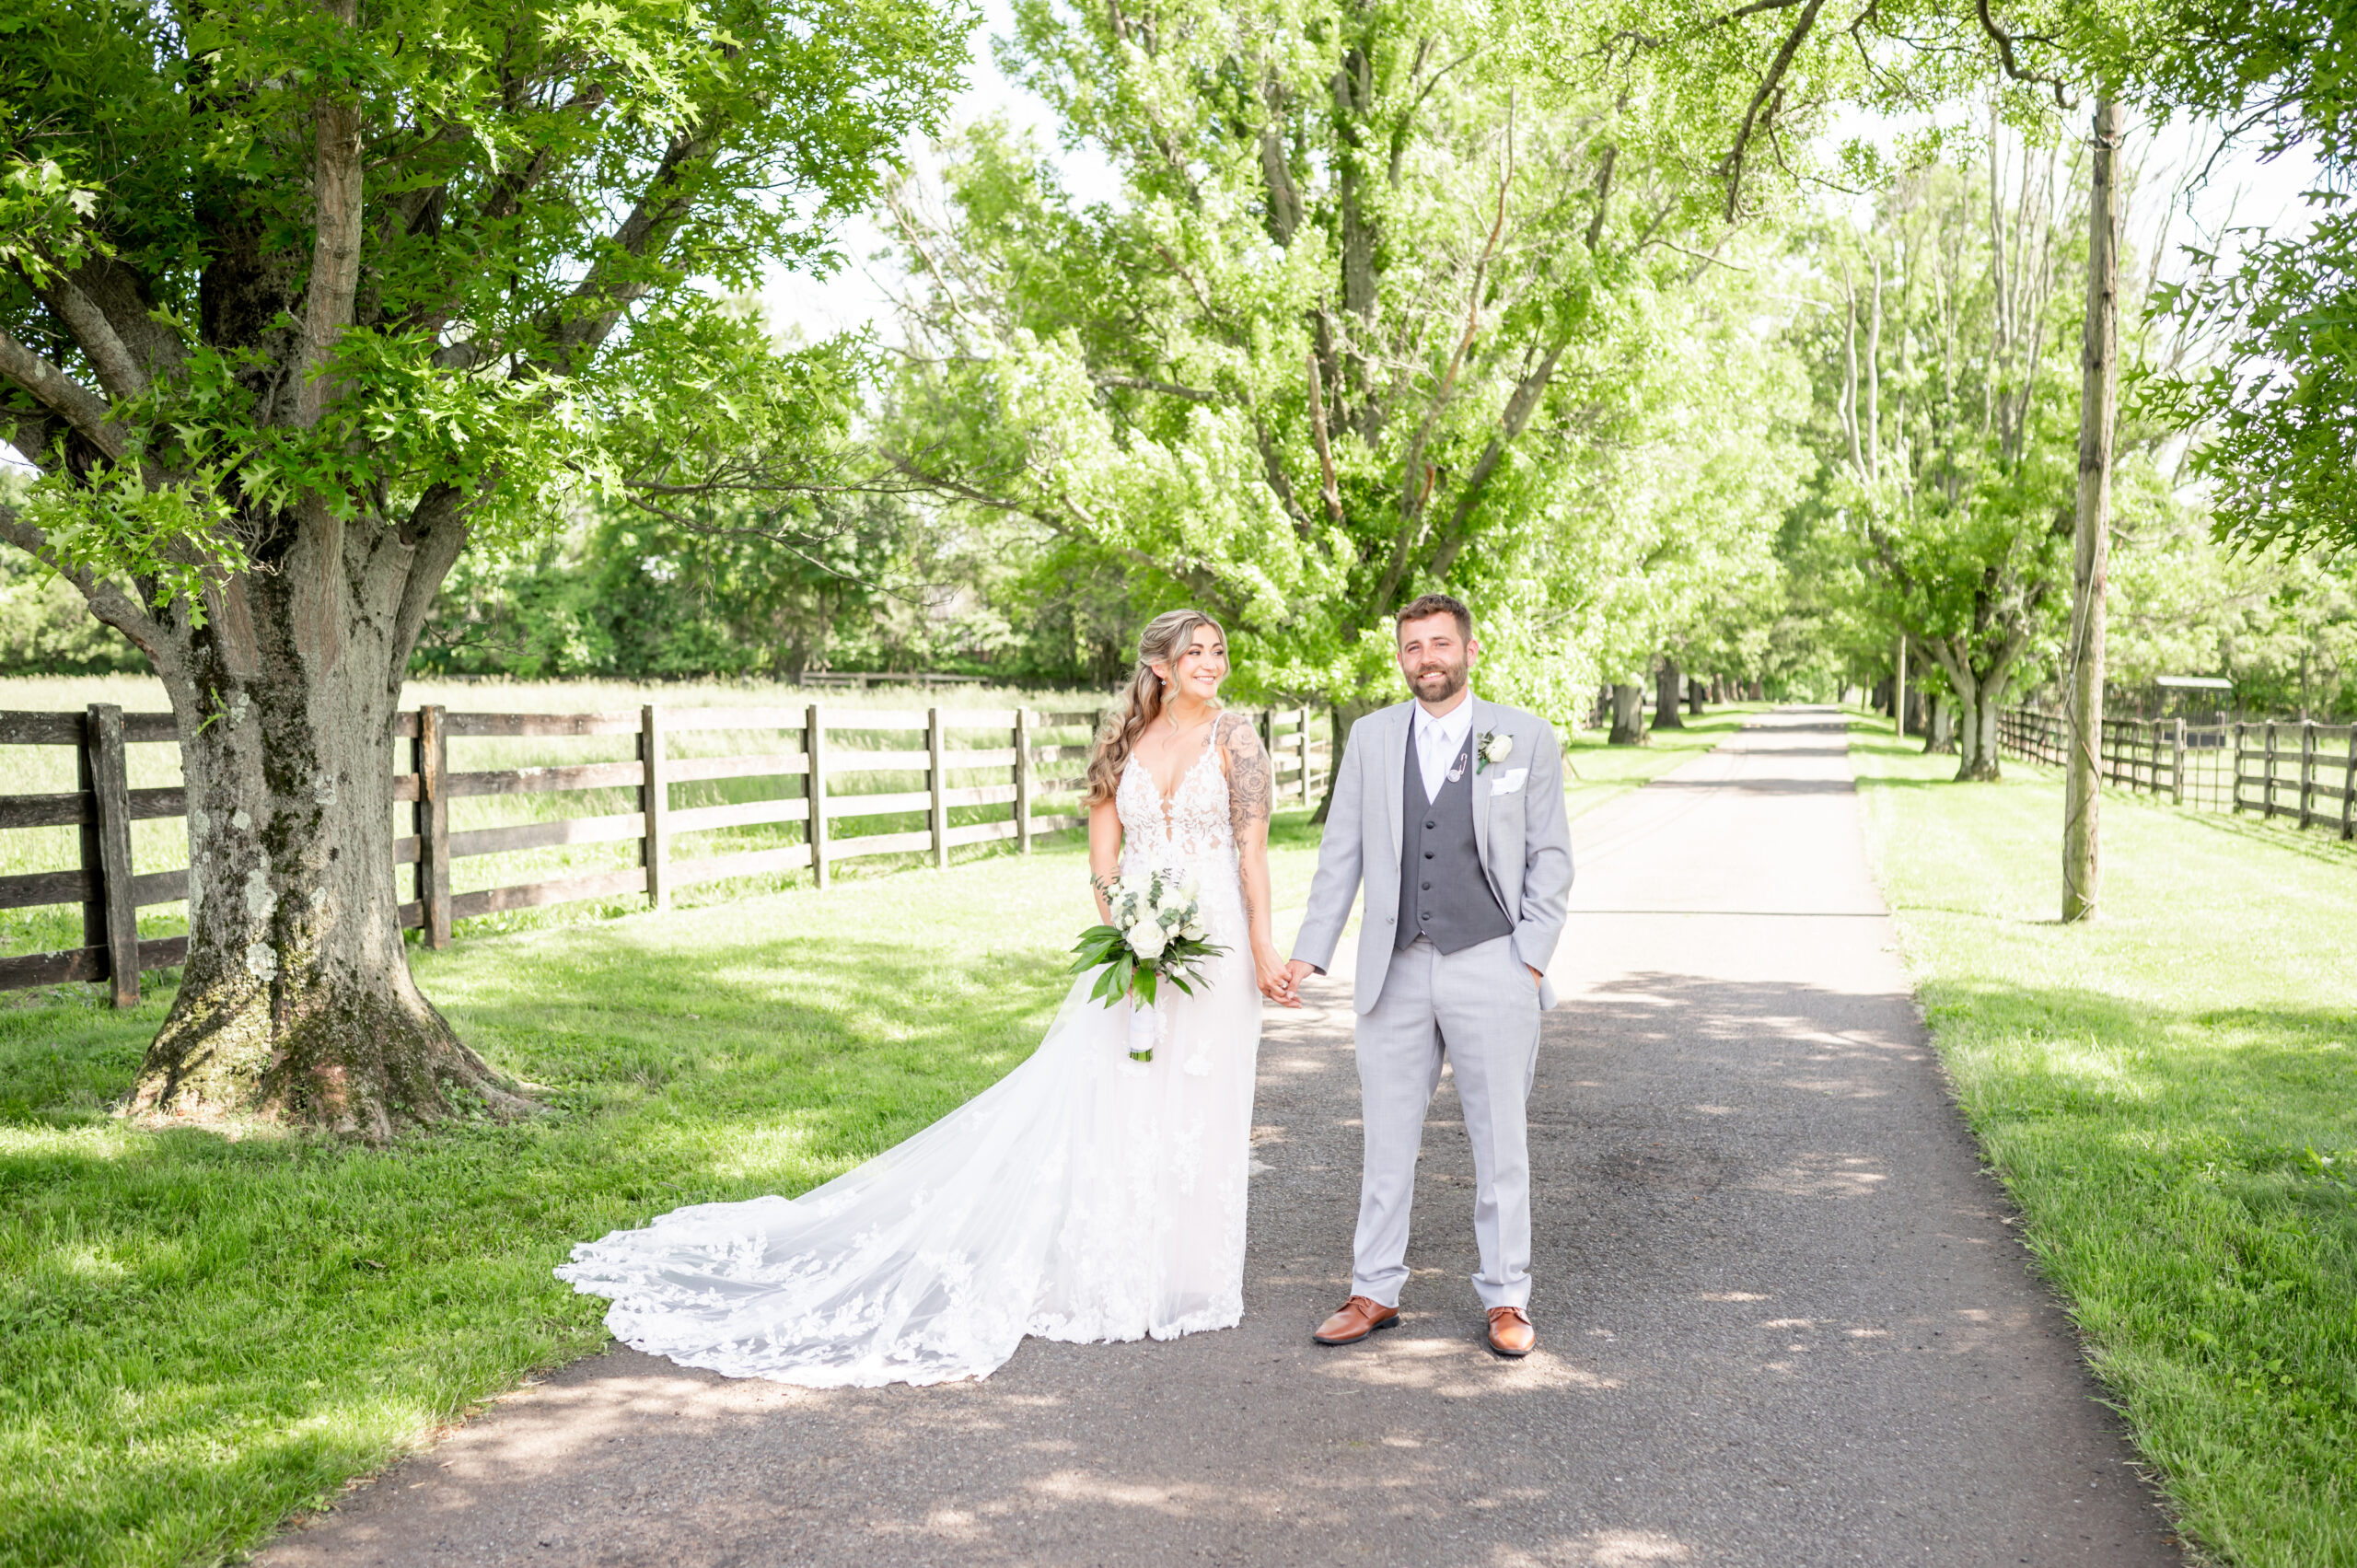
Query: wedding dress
{"x": 1082, "y": 1197}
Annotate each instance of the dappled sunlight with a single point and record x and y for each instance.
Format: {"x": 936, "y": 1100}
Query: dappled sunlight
{"x": 1597, "y": 1549}
{"x": 1461, "y": 1369}
{"x": 1824, "y": 1176}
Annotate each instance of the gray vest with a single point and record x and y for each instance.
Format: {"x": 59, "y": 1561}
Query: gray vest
{"x": 1443, "y": 893}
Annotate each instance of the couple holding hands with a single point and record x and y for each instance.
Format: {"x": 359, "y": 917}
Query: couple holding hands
{"x": 1087, "y": 1197}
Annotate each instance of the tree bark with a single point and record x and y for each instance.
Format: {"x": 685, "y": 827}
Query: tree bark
{"x": 1668, "y": 683}
{"x": 295, "y": 1002}
{"x": 1345, "y": 714}
{"x": 1628, "y": 715}
{"x": 2099, "y": 368}
{"x": 1939, "y": 732}
{"x": 1693, "y": 699}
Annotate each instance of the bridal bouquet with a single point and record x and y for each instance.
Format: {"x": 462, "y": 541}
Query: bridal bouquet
{"x": 1157, "y": 936}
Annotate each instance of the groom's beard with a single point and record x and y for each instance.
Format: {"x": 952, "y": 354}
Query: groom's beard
{"x": 1437, "y": 682}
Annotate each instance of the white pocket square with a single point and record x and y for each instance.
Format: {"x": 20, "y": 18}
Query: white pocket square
{"x": 1509, "y": 781}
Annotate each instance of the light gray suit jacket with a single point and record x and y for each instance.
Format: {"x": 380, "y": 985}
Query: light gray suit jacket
{"x": 1523, "y": 834}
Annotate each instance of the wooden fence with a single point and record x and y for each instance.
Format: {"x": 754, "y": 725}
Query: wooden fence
{"x": 809, "y": 752}
{"x": 2277, "y": 769}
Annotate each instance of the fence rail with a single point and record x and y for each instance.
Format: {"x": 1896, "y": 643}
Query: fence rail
{"x": 812, "y": 755}
{"x": 2277, "y": 769}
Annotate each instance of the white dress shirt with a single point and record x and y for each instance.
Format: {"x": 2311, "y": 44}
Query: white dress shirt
{"x": 1438, "y": 740}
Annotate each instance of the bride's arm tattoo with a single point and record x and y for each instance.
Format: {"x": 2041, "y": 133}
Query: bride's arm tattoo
{"x": 1251, "y": 793}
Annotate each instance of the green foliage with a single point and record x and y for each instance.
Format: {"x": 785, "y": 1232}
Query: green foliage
{"x": 543, "y": 202}
{"x": 1365, "y": 322}
{"x": 2279, "y": 448}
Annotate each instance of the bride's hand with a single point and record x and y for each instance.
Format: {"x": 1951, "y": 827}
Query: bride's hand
{"x": 1275, "y": 978}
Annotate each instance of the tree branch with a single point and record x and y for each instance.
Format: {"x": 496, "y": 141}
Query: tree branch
{"x": 119, "y": 373}
{"x": 1168, "y": 389}
{"x": 436, "y": 531}
{"x": 335, "y": 243}
{"x": 1518, "y": 410}
{"x": 2004, "y": 42}
{"x": 68, "y": 398}
{"x": 1731, "y": 165}
{"x": 106, "y": 601}
{"x": 1327, "y": 490}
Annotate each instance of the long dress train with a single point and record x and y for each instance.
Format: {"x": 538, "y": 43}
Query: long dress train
{"x": 1082, "y": 1197}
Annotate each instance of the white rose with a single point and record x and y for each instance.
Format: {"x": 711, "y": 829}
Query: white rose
{"x": 1194, "y": 930}
{"x": 1147, "y": 941}
{"x": 1191, "y": 885}
{"x": 1498, "y": 748}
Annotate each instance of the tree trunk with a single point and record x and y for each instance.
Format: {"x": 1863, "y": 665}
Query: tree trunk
{"x": 1694, "y": 699}
{"x": 1345, "y": 714}
{"x": 1668, "y": 682}
{"x": 2083, "y": 782}
{"x": 1940, "y": 731}
{"x": 295, "y": 1002}
{"x": 1628, "y": 715}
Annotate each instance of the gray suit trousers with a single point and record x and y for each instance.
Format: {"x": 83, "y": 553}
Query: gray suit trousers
{"x": 1480, "y": 1006}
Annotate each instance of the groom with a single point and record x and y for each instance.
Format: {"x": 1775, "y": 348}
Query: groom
{"x": 1451, "y": 811}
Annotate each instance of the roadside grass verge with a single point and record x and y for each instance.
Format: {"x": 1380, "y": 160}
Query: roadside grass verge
{"x": 2170, "y": 1094}
{"x": 203, "y": 1332}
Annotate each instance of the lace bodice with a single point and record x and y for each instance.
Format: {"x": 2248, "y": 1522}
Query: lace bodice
{"x": 1194, "y": 828}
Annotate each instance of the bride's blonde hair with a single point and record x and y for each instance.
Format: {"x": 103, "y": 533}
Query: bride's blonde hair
{"x": 1164, "y": 638}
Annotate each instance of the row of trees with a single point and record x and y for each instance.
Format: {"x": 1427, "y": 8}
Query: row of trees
{"x": 368, "y": 336}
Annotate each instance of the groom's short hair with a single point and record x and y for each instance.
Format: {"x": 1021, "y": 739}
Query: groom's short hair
{"x": 1423, "y": 607}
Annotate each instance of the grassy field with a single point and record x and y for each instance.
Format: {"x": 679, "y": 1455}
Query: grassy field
{"x": 2171, "y": 1095}
{"x": 201, "y": 1333}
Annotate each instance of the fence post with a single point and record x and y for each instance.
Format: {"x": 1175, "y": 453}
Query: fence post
{"x": 2349, "y": 789}
{"x": 654, "y": 849}
{"x": 430, "y": 759}
{"x": 2177, "y": 764}
{"x": 2307, "y": 766}
{"x": 111, "y": 795}
{"x": 2270, "y": 770}
{"x": 1302, "y": 738}
{"x": 938, "y": 814}
{"x": 814, "y": 741}
{"x": 1023, "y": 779}
{"x": 94, "y": 908}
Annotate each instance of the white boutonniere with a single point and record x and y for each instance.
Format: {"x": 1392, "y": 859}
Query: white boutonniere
{"x": 1493, "y": 747}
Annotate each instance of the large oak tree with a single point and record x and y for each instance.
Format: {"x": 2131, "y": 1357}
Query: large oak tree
{"x": 297, "y": 300}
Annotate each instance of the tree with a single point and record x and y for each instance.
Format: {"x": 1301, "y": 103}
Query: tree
{"x": 1367, "y": 321}
{"x": 303, "y": 300}
{"x": 1945, "y": 401}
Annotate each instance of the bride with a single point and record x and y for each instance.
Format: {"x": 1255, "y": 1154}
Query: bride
{"x": 1083, "y": 1196}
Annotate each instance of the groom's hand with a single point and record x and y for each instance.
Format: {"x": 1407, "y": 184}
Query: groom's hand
{"x": 1296, "y": 970}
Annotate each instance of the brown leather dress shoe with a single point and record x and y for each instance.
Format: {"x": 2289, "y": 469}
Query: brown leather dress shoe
{"x": 1510, "y": 1332}
{"x": 1359, "y": 1318}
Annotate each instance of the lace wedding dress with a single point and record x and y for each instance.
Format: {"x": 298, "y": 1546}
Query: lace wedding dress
{"x": 1082, "y": 1197}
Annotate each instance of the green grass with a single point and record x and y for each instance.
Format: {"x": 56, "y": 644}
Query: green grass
{"x": 201, "y": 1333}
{"x": 2170, "y": 1092}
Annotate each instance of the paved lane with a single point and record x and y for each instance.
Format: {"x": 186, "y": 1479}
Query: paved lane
{"x": 1783, "y": 1320}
